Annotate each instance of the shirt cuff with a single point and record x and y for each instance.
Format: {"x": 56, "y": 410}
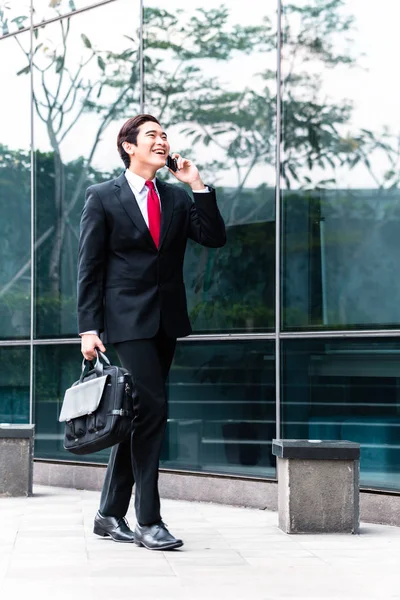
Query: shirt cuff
{"x": 205, "y": 191}
{"x": 92, "y": 331}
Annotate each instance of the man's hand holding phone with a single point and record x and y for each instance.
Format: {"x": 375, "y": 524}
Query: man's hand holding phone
{"x": 172, "y": 164}
{"x": 187, "y": 172}
{"x": 89, "y": 343}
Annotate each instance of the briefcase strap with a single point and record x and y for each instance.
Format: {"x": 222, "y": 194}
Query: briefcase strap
{"x": 120, "y": 413}
{"x": 97, "y": 366}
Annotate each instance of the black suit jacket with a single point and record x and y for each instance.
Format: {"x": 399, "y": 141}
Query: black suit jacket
{"x": 126, "y": 286}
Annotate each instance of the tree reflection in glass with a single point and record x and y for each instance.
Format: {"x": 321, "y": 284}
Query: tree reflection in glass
{"x": 340, "y": 167}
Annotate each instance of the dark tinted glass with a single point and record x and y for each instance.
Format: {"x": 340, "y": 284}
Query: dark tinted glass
{"x": 221, "y": 406}
{"x": 14, "y": 384}
{"x": 346, "y": 390}
{"x": 88, "y": 86}
{"x": 221, "y": 399}
{"x": 15, "y": 189}
{"x": 209, "y": 76}
{"x": 341, "y": 199}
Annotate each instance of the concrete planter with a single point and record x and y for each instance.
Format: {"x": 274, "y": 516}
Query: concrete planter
{"x": 16, "y": 459}
{"x": 318, "y": 486}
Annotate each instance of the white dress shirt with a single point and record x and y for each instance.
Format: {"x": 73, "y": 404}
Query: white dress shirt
{"x": 140, "y": 191}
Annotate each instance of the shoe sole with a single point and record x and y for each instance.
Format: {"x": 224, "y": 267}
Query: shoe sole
{"x": 97, "y": 530}
{"x": 167, "y": 547}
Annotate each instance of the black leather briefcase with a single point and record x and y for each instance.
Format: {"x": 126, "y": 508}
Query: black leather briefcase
{"x": 98, "y": 409}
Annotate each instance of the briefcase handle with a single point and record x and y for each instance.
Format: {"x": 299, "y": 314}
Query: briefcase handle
{"x": 98, "y": 365}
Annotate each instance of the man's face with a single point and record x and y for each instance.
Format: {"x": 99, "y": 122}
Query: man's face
{"x": 152, "y": 146}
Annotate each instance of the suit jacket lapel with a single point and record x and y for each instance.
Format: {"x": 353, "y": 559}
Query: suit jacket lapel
{"x": 128, "y": 201}
{"x": 167, "y": 208}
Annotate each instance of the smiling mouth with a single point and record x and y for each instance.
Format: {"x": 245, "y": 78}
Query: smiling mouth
{"x": 160, "y": 152}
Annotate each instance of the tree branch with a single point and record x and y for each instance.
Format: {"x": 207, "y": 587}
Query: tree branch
{"x": 71, "y": 125}
{"x": 35, "y": 100}
{"x": 27, "y": 265}
{"x": 64, "y": 34}
{"x": 107, "y": 119}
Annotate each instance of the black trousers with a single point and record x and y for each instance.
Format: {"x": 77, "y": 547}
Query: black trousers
{"x": 136, "y": 460}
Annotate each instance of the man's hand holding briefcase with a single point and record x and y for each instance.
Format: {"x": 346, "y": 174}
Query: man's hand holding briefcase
{"x": 98, "y": 408}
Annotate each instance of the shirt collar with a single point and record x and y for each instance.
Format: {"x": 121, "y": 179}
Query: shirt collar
{"x": 136, "y": 181}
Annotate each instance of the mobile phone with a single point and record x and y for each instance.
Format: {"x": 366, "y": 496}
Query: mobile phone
{"x": 172, "y": 164}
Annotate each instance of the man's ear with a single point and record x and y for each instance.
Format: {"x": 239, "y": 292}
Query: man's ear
{"x": 128, "y": 148}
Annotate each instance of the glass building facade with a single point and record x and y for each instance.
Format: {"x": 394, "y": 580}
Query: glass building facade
{"x": 290, "y": 111}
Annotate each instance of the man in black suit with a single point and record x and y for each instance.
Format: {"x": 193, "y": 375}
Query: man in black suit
{"x": 134, "y": 231}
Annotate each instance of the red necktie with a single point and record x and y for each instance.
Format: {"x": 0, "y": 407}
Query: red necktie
{"x": 153, "y": 212}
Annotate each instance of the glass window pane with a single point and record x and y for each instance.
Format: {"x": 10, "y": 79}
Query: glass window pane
{"x": 14, "y": 384}
{"x": 221, "y": 406}
{"x": 341, "y": 202}
{"x": 86, "y": 82}
{"x": 226, "y": 124}
{"x": 14, "y": 15}
{"x": 346, "y": 390}
{"x": 15, "y": 189}
{"x": 49, "y": 9}
{"x": 221, "y": 399}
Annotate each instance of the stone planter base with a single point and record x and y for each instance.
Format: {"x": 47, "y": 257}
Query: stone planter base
{"x": 16, "y": 460}
{"x": 318, "y": 486}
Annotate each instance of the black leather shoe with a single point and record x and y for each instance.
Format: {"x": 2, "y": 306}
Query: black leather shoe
{"x": 156, "y": 537}
{"x": 113, "y": 527}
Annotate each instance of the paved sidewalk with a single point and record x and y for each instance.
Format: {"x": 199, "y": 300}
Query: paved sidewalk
{"x": 48, "y": 551}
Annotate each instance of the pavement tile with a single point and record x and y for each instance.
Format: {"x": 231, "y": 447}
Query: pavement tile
{"x": 7, "y": 539}
{"x": 212, "y": 560}
{"x": 261, "y": 542}
{"x": 252, "y": 531}
{"x": 47, "y": 545}
{"x": 57, "y": 575}
{"x": 41, "y": 590}
{"x": 288, "y": 562}
{"x": 135, "y": 588}
{"x": 146, "y": 581}
{"x": 32, "y": 546}
{"x": 276, "y": 551}
{"x": 134, "y": 572}
{"x": 51, "y": 533}
{"x": 133, "y": 558}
